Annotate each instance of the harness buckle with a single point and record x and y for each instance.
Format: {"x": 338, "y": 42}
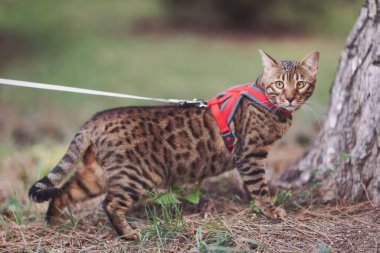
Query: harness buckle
{"x": 228, "y": 139}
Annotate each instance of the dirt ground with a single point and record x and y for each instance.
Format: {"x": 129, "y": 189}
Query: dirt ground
{"x": 217, "y": 224}
{"x": 223, "y": 221}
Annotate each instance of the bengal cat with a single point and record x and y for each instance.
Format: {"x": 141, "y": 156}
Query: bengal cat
{"x": 125, "y": 152}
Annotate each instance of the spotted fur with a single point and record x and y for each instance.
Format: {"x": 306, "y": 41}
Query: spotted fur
{"x": 125, "y": 152}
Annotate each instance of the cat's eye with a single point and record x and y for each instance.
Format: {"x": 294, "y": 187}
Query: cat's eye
{"x": 301, "y": 84}
{"x": 279, "y": 84}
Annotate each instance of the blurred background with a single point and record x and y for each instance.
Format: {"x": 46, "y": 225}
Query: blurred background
{"x": 166, "y": 48}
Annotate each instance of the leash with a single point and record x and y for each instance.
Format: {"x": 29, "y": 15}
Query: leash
{"x": 45, "y": 86}
{"x": 223, "y": 106}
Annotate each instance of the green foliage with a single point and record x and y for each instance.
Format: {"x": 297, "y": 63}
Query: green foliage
{"x": 4, "y": 226}
{"x": 254, "y": 207}
{"x": 165, "y": 198}
{"x": 267, "y": 16}
{"x": 194, "y": 196}
{"x": 288, "y": 201}
{"x": 323, "y": 248}
{"x": 96, "y": 50}
{"x": 345, "y": 155}
{"x": 215, "y": 237}
{"x": 165, "y": 215}
{"x": 282, "y": 197}
{"x": 169, "y": 206}
{"x": 71, "y": 216}
{"x": 13, "y": 206}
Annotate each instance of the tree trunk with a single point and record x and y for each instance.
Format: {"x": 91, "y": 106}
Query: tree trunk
{"x": 345, "y": 158}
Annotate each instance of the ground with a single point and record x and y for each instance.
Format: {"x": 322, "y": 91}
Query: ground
{"x": 223, "y": 221}
{"x": 215, "y": 225}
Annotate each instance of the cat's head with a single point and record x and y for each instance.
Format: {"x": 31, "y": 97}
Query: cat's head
{"x": 288, "y": 84}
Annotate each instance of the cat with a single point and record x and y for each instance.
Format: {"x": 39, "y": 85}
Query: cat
{"x": 126, "y": 152}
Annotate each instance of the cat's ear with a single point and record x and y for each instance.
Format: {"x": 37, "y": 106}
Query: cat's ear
{"x": 268, "y": 61}
{"x": 311, "y": 62}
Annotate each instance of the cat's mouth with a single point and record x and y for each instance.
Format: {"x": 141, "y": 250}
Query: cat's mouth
{"x": 290, "y": 108}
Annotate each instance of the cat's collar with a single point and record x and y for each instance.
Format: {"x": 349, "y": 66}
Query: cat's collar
{"x": 224, "y": 106}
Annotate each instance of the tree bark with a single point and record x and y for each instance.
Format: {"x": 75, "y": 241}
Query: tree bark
{"x": 345, "y": 158}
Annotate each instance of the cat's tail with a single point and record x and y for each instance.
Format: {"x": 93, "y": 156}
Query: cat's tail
{"x": 47, "y": 187}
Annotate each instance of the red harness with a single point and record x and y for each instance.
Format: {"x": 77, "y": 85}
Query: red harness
{"x": 224, "y": 106}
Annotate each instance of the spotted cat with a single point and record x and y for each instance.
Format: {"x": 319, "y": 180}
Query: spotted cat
{"x": 125, "y": 152}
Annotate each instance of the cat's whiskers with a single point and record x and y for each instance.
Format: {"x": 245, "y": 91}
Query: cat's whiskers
{"x": 267, "y": 114}
{"x": 276, "y": 109}
{"x": 320, "y": 107}
{"x": 306, "y": 115}
{"x": 272, "y": 110}
{"x": 315, "y": 115}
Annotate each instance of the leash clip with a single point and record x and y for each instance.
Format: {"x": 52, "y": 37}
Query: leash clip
{"x": 200, "y": 102}
{"x": 228, "y": 139}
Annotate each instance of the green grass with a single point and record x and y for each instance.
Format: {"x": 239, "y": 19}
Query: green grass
{"x": 165, "y": 218}
{"x": 175, "y": 67}
{"x": 91, "y": 46}
{"x": 183, "y": 67}
{"x": 216, "y": 239}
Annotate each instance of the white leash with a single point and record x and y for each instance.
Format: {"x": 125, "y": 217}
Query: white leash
{"x": 45, "y": 86}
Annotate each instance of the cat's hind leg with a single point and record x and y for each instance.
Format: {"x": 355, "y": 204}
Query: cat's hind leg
{"x": 88, "y": 182}
{"x": 116, "y": 207}
{"x": 126, "y": 188}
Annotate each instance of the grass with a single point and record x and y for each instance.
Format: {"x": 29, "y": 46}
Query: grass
{"x": 95, "y": 48}
{"x": 215, "y": 224}
{"x": 165, "y": 215}
{"x": 228, "y": 227}
{"x": 215, "y": 237}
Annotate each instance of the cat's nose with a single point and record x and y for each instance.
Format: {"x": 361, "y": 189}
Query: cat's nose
{"x": 290, "y": 99}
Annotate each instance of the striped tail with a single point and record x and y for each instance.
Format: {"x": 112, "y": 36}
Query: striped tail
{"x": 47, "y": 187}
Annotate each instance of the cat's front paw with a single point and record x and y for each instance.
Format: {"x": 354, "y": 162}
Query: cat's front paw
{"x": 274, "y": 213}
{"x": 131, "y": 234}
